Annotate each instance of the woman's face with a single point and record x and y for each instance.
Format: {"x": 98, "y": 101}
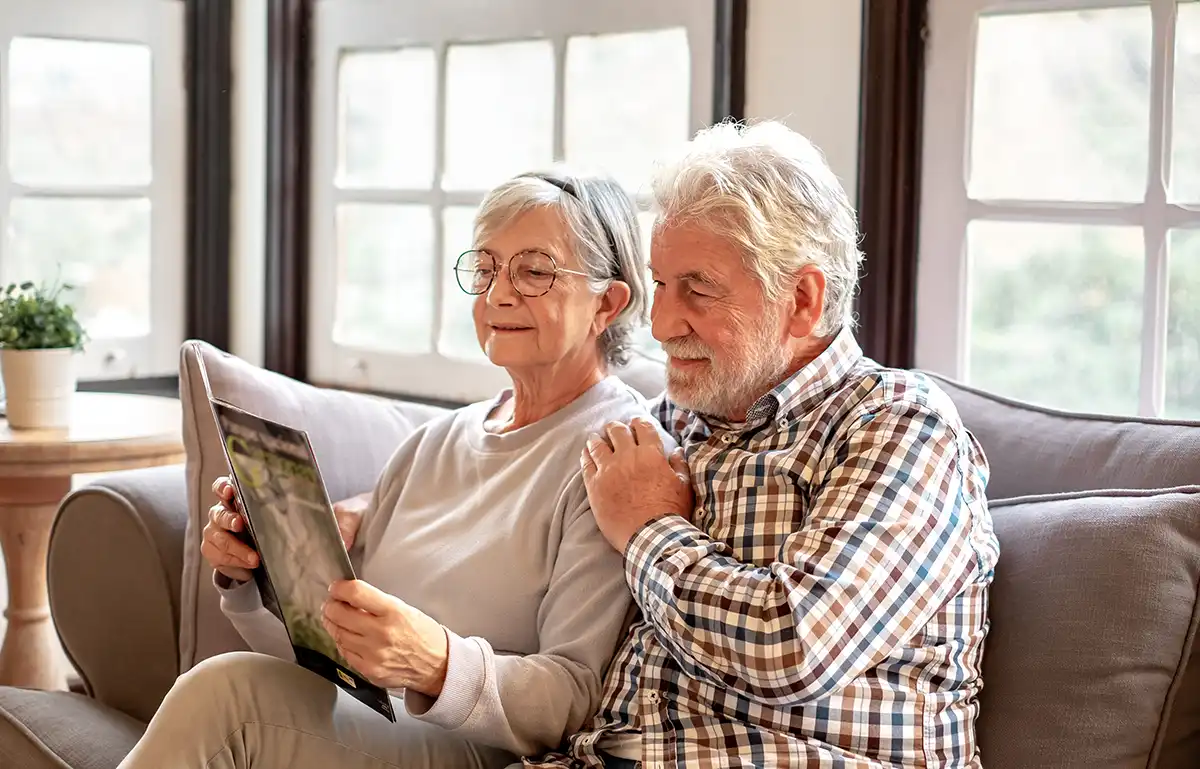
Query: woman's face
{"x": 561, "y": 325}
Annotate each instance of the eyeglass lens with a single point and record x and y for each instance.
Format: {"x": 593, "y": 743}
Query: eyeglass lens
{"x": 532, "y": 272}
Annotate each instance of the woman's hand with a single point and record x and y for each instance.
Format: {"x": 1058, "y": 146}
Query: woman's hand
{"x": 219, "y": 545}
{"x": 349, "y": 513}
{"x": 391, "y": 643}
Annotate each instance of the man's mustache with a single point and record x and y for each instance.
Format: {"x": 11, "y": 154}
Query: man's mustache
{"x": 687, "y": 347}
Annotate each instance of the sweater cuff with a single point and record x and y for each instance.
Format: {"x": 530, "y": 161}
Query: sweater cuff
{"x": 237, "y": 598}
{"x": 465, "y": 672}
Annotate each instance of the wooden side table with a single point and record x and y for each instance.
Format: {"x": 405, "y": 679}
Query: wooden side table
{"x": 108, "y": 432}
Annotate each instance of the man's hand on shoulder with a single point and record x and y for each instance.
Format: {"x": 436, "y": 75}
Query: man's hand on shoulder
{"x": 349, "y": 514}
{"x": 630, "y": 480}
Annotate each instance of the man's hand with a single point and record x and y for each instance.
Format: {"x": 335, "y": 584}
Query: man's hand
{"x": 630, "y": 481}
{"x": 391, "y": 643}
{"x": 349, "y": 514}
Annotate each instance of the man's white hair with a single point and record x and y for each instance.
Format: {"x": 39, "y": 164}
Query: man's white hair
{"x": 769, "y": 190}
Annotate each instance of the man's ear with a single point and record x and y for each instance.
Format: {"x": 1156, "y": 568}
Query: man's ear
{"x": 808, "y": 295}
{"x": 615, "y": 299}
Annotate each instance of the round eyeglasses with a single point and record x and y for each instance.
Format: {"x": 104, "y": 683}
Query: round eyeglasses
{"x": 532, "y": 272}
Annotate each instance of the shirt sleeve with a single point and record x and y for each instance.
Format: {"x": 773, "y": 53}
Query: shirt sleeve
{"x": 885, "y": 542}
{"x": 528, "y": 704}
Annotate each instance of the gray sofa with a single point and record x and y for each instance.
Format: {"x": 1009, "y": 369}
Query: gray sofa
{"x": 1090, "y": 661}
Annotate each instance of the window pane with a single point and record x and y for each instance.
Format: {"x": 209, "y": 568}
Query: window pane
{"x": 1061, "y": 106}
{"x": 386, "y": 121}
{"x": 1185, "y": 171}
{"x": 458, "y": 338}
{"x": 499, "y": 112}
{"x": 1056, "y": 313}
{"x": 79, "y": 112}
{"x": 1183, "y": 326}
{"x": 100, "y": 246}
{"x": 627, "y": 101}
{"x": 385, "y": 277}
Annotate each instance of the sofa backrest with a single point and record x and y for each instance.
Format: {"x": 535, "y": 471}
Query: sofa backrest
{"x": 1034, "y": 450}
{"x": 1090, "y": 659}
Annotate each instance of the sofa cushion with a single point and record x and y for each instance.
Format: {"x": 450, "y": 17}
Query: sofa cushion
{"x": 352, "y": 435}
{"x": 1034, "y": 450}
{"x": 1093, "y": 617}
{"x": 50, "y": 730}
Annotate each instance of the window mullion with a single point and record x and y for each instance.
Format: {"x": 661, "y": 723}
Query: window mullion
{"x": 560, "y": 96}
{"x": 1152, "y": 391}
{"x": 438, "y": 202}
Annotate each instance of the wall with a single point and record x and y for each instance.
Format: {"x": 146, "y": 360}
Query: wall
{"x": 802, "y": 68}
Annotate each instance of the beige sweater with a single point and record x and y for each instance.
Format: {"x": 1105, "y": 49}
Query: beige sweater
{"x": 492, "y": 535}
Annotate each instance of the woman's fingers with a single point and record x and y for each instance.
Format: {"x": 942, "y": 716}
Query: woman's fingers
{"x": 349, "y": 620}
{"x": 225, "y": 492}
{"x": 223, "y": 488}
{"x": 228, "y": 547}
{"x": 225, "y": 518}
{"x": 222, "y": 561}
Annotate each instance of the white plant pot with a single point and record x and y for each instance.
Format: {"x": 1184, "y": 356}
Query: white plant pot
{"x": 38, "y": 386}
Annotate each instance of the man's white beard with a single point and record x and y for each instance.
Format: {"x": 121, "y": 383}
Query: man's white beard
{"x": 727, "y": 386}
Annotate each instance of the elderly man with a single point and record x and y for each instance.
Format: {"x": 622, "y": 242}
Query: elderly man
{"x": 817, "y": 595}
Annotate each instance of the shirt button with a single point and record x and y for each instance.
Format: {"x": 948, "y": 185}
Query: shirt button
{"x": 652, "y": 697}
{"x": 783, "y": 423}
{"x": 728, "y": 438}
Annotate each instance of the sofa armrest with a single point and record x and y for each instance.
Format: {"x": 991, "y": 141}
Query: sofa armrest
{"x": 115, "y": 560}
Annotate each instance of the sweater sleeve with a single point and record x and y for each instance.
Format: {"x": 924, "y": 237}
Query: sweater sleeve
{"x": 529, "y": 704}
{"x": 242, "y": 604}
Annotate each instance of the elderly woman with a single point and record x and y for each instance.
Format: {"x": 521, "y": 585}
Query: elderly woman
{"x": 489, "y": 602}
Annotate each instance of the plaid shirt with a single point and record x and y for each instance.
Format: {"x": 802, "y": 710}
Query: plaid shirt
{"x": 827, "y": 606}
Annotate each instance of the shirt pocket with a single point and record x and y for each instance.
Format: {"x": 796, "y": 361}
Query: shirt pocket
{"x": 754, "y": 514}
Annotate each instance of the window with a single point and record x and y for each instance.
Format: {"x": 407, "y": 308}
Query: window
{"x": 92, "y": 170}
{"x": 418, "y": 112}
{"x": 1060, "y": 214}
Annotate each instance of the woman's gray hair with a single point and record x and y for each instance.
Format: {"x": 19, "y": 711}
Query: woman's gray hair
{"x": 603, "y": 223}
{"x": 769, "y": 190}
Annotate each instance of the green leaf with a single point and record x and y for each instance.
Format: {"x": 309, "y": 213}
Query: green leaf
{"x": 33, "y": 317}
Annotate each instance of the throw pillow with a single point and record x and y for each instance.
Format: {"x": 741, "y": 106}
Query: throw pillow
{"x": 1093, "y": 617}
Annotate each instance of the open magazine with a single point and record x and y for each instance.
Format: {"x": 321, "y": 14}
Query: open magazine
{"x": 290, "y": 522}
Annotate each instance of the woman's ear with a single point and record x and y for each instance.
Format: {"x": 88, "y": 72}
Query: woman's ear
{"x": 614, "y": 300}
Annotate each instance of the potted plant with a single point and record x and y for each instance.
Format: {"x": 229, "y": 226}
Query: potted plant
{"x": 39, "y": 337}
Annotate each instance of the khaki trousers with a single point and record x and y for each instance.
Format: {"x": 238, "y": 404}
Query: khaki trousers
{"x": 244, "y": 710}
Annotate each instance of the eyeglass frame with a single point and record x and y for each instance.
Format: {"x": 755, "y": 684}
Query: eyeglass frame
{"x": 509, "y": 266}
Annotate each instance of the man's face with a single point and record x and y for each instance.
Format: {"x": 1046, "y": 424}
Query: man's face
{"x": 725, "y": 342}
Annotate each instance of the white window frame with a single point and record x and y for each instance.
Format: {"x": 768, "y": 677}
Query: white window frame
{"x": 158, "y": 24}
{"x": 946, "y": 208}
{"x": 380, "y": 24}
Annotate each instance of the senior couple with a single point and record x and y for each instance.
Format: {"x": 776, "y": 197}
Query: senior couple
{"x": 784, "y": 560}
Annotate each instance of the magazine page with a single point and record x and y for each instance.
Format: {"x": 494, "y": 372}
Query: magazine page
{"x": 295, "y": 532}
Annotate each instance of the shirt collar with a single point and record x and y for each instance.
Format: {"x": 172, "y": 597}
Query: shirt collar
{"x": 811, "y": 384}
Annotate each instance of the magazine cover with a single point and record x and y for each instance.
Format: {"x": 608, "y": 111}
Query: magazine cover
{"x": 293, "y": 528}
